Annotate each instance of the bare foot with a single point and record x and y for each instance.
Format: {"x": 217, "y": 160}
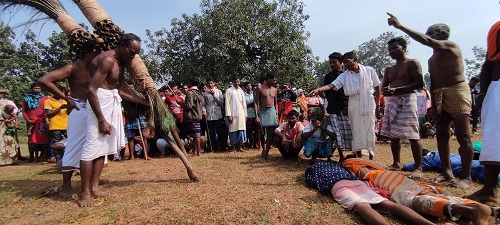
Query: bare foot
{"x": 463, "y": 184}
{"x": 99, "y": 193}
{"x": 443, "y": 177}
{"x": 483, "y": 196}
{"x": 394, "y": 167}
{"x": 416, "y": 174}
{"x": 85, "y": 200}
{"x": 67, "y": 192}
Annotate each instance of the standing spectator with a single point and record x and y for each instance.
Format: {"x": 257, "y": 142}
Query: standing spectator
{"x": 236, "y": 113}
{"x": 56, "y": 111}
{"x": 337, "y": 106}
{"x": 474, "y": 114}
{"x": 289, "y": 136}
{"x": 173, "y": 100}
{"x": 192, "y": 110}
{"x": 266, "y": 103}
{"x": 33, "y": 113}
{"x": 131, "y": 132}
{"x": 252, "y": 134}
{"x": 362, "y": 85}
{"x": 423, "y": 101}
{"x": 302, "y": 102}
{"x": 214, "y": 101}
{"x": 3, "y": 102}
{"x": 490, "y": 119}
{"x": 400, "y": 115}
{"x": 8, "y": 130}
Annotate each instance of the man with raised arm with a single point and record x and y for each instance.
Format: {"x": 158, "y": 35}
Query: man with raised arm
{"x": 450, "y": 96}
{"x": 105, "y": 134}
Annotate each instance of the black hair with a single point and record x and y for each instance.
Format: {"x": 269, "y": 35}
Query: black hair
{"x": 349, "y": 55}
{"x": 210, "y": 79}
{"x": 128, "y": 38}
{"x": 400, "y": 40}
{"x": 475, "y": 78}
{"x": 262, "y": 78}
{"x": 270, "y": 75}
{"x": 246, "y": 83}
{"x": 235, "y": 77}
{"x": 335, "y": 55}
{"x": 35, "y": 84}
{"x": 194, "y": 81}
{"x": 293, "y": 113}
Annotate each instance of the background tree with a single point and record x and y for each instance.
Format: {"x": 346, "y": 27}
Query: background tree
{"x": 374, "y": 53}
{"x": 473, "y": 66}
{"x": 320, "y": 70}
{"x": 248, "y": 38}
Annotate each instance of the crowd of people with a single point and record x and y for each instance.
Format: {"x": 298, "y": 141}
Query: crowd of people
{"x": 92, "y": 123}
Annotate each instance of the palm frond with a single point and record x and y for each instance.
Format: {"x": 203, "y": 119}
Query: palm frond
{"x": 51, "y": 8}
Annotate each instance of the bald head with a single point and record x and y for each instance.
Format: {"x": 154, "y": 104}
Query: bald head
{"x": 439, "y": 31}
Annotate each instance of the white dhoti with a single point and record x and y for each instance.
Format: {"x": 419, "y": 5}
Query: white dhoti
{"x": 362, "y": 126}
{"x": 97, "y": 144}
{"x": 490, "y": 125}
{"x": 77, "y": 132}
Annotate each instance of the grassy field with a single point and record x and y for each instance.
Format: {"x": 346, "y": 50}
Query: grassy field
{"x": 236, "y": 188}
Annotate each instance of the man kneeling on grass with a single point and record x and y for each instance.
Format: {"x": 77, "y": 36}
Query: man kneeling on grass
{"x": 423, "y": 198}
{"x": 355, "y": 194}
{"x": 288, "y": 136}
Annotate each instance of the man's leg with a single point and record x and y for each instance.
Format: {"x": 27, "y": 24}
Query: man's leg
{"x": 462, "y": 132}
{"x": 488, "y": 192}
{"x": 396, "y": 154}
{"x": 131, "y": 148}
{"x": 443, "y": 138}
{"x": 214, "y": 147}
{"x": 269, "y": 140}
{"x": 416, "y": 150}
{"x": 67, "y": 190}
{"x": 85, "y": 198}
{"x": 197, "y": 146}
{"x": 404, "y": 213}
{"x": 97, "y": 166}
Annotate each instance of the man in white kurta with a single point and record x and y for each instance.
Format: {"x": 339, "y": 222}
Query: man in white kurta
{"x": 236, "y": 112}
{"x": 360, "y": 83}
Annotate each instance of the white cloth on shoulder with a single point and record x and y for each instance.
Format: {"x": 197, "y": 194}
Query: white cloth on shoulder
{"x": 97, "y": 144}
{"x": 77, "y": 133}
{"x": 490, "y": 124}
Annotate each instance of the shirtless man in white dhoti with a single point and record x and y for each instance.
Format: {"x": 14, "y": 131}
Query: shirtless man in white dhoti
{"x": 105, "y": 132}
{"x": 78, "y": 76}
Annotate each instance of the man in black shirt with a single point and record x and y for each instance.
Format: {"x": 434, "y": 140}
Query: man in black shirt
{"x": 336, "y": 107}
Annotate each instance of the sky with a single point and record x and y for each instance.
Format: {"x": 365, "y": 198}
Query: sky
{"x": 333, "y": 25}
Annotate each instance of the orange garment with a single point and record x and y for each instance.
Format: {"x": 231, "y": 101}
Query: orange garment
{"x": 356, "y": 163}
{"x": 303, "y": 103}
{"x": 493, "y": 51}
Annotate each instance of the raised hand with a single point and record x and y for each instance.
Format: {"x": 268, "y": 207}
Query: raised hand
{"x": 393, "y": 21}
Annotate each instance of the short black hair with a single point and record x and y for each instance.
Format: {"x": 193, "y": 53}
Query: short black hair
{"x": 210, "y": 79}
{"x": 128, "y": 38}
{"x": 246, "y": 83}
{"x": 194, "y": 81}
{"x": 262, "y": 78}
{"x": 270, "y": 75}
{"x": 35, "y": 84}
{"x": 293, "y": 112}
{"x": 235, "y": 77}
{"x": 475, "y": 78}
{"x": 400, "y": 40}
{"x": 335, "y": 55}
{"x": 349, "y": 55}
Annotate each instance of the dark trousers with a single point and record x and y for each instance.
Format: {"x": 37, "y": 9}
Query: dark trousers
{"x": 54, "y": 137}
{"x": 217, "y": 132}
{"x": 474, "y": 114}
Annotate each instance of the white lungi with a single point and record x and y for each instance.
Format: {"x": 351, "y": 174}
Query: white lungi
{"x": 97, "y": 144}
{"x": 77, "y": 132}
{"x": 362, "y": 126}
{"x": 490, "y": 124}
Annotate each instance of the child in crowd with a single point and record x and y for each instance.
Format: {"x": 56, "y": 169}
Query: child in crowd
{"x": 318, "y": 135}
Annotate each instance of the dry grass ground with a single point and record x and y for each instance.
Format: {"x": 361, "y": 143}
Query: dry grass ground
{"x": 239, "y": 188}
